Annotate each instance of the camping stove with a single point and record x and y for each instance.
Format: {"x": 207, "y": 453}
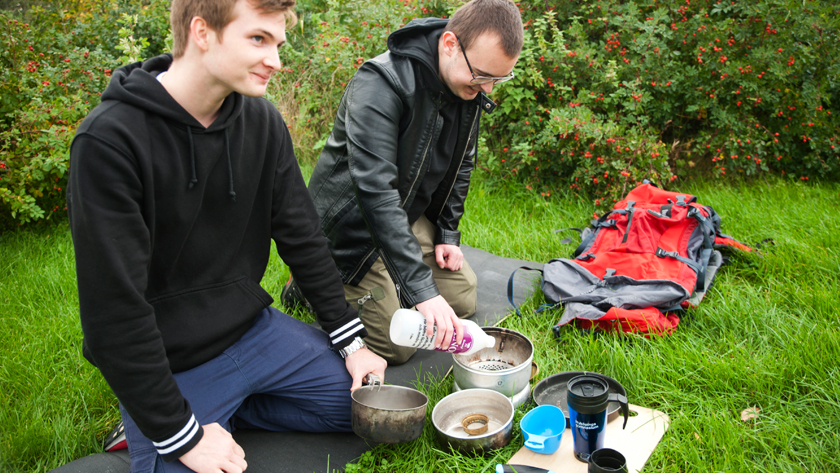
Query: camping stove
{"x": 505, "y": 367}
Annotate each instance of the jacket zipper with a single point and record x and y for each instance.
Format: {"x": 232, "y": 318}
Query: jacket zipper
{"x": 472, "y": 128}
{"x": 362, "y": 301}
{"x": 417, "y": 176}
{"x": 359, "y": 268}
{"x": 425, "y": 154}
{"x": 391, "y": 271}
{"x": 402, "y": 204}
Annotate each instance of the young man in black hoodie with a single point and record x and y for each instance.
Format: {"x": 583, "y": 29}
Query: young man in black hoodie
{"x": 179, "y": 181}
{"x": 391, "y": 182}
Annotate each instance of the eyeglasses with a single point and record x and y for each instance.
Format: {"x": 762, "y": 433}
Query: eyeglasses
{"x": 477, "y": 80}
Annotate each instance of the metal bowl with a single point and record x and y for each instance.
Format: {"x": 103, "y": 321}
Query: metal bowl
{"x": 388, "y": 414}
{"x": 449, "y": 413}
{"x": 504, "y": 368}
{"x": 552, "y": 391}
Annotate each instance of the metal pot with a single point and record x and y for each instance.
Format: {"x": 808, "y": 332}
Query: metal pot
{"x": 388, "y": 414}
{"x": 504, "y": 368}
{"x": 457, "y": 409}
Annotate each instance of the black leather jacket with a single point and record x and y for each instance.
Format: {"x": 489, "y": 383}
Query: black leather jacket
{"x": 368, "y": 173}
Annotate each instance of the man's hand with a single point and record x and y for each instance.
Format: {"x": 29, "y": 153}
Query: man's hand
{"x": 361, "y": 362}
{"x": 215, "y": 452}
{"x": 449, "y": 257}
{"x": 437, "y": 311}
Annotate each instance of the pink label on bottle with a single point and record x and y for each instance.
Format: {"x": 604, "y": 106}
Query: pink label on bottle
{"x": 465, "y": 345}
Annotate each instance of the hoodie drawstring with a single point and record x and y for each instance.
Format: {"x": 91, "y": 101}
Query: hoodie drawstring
{"x": 230, "y": 167}
{"x": 193, "y": 180}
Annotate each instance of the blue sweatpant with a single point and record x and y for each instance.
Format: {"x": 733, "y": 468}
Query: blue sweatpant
{"x": 281, "y": 375}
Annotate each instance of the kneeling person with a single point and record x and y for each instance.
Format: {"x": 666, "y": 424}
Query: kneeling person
{"x": 179, "y": 181}
{"x": 391, "y": 182}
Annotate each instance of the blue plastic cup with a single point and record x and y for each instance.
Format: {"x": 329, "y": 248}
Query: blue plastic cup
{"x": 542, "y": 428}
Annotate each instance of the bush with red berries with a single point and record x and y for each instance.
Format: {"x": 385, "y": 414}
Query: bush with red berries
{"x": 611, "y": 92}
{"x": 606, "y": 93}
{"x": 55, "y": 61}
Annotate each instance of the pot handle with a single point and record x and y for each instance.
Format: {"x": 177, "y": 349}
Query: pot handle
{"x": 372, "y": 380}
{"x": 625, "y": 409}
{"x": 535, "y": 441}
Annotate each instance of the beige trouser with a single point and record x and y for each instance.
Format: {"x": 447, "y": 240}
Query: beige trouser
{"x": 376, "y": 295}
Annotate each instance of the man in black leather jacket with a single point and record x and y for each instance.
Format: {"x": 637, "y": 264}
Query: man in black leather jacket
{"x": 391, "y": 181}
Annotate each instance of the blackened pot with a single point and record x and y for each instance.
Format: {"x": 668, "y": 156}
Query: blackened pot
{"x": 388, "y": 414}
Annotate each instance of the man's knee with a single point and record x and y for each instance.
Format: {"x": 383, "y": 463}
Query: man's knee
{"x": 382, "y": 345}
{"x": 397, "y": 356}
{"x": 465, "y": 306}
{"x": 461, "y": 292}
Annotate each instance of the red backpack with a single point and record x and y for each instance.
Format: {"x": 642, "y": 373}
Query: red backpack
{"x": 653, "y": 254}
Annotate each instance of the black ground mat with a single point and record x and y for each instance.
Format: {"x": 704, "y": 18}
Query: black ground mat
{"x": 298, "y": 452}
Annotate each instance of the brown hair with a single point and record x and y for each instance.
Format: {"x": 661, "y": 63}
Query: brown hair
{"x": 496, "y": 16}
{"x": 217, "y": 14}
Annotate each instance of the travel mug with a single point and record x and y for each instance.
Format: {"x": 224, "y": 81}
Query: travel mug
{"x": 588, "y": 396}
{"x": 607, "y": 460}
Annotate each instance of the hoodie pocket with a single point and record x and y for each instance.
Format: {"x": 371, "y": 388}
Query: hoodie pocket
{"x": 197, "y": 324}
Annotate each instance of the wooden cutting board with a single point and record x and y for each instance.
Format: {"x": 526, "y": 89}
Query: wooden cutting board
{"x": 636, "y": 443}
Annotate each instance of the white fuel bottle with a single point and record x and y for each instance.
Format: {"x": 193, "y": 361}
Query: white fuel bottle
{"x": 408, "y": 329}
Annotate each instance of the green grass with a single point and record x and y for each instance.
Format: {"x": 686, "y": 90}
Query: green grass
{"x": 55, "y": 405}
{"x": 766, "y": 335}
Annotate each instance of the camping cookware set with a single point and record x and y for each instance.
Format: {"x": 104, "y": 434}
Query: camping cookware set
{"x": 488, "y": 386}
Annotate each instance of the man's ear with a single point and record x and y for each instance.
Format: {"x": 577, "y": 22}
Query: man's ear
{"x": 200, "y": 33}
{"x": 448, "y": 43}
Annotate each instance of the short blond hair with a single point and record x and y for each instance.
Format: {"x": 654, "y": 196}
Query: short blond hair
{"x": 217, "y": 14}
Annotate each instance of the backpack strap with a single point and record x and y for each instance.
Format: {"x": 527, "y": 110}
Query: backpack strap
{"x": 708, "y": 243}
{"x": 585, "y": 242}
{"x": 629, "y": 209}
{"x": 673, "y": 254}
{"x": 705, "y": 254}
{"x": 510, "y": 287}
{"x": 596, "y": 224}
{"x": 547, "y": 306}
{"x": 566, "y": 241}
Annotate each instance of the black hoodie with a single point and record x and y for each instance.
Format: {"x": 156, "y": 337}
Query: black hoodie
{"x": 172, "y": 225}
